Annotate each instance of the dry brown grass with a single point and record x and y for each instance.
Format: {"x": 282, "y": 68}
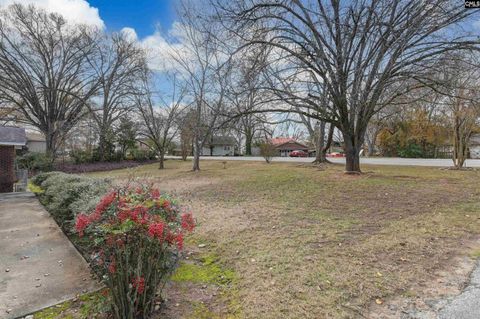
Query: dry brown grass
{"x": 310, "y": 243}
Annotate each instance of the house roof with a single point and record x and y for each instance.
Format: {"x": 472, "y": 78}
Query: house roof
{"x": 10, "y": 135}
{"x": 281, "y": 140}
{"x": 222, "y": 140}
{"x": 278, "y": 141}
{"x": 35, "y": 137}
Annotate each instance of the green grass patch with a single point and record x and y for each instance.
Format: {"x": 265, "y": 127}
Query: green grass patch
{"x": 208, "y": 271}
{"x": 55, "y": 312}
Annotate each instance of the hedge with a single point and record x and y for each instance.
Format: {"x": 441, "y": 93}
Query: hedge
{"x": 66, "y": 195}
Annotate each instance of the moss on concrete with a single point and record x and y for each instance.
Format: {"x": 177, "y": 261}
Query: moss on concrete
{"x": 55, "y": 312}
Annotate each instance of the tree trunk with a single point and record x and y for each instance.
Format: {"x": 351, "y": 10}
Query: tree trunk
{"x": 460, "y": 141}
{"x": 248, "y": 143}
{"x": 161, "y": 160}
{"x": 353, "y": 145}
{"x": 329, "y": 140}
{"x": 101, "y": 146}
{"x": 196, "y": 156}
{"x": 51, "y": 143}
{"x": 320, "y": 156}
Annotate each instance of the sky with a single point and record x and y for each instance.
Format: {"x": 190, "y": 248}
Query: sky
{"x": 144, "y": 16}
{"x": 147, "y": 20}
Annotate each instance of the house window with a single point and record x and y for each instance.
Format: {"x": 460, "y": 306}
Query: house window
{"x": 226, "y": 147}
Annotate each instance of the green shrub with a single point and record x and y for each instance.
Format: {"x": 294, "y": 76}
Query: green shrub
{"x": 65, "y": 195}
{"x": 80, "y": 156}
{"x": 137, "y": 235}
{"x": 35, "y": 162}
{"x": 118, "y": 156}
{"x": 140, "y": 155}
{"x": 412, "y": 150}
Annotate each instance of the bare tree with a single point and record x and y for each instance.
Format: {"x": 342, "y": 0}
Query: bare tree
{"x": 44, "y": 71}
{"x": 161, "y": 122}
{"x": 458, "y": 81}
{"x": 118, "y": 63}
{"x": 321, "y": 139}
{"x": 187, "y": 127}
{"x": 205, "y": 69}
{"x": 267, "y": 151}
{"x": 246, "y": 92}
{"x": 357, "y": 50}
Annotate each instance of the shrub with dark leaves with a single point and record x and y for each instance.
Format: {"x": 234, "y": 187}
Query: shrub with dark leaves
{"x": 138, "y": 235}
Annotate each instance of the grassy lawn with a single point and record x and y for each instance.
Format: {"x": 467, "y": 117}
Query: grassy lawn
{"x": 295, "y": 241}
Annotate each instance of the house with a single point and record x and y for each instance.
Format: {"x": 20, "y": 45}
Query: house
{"x": 11, "y": 138}
{"x": 473, "y": 150}
{"x": 474, "y": 146}
{"x": 286, "y": 145}
{"x": 36, "y": 142}
{"x": 220, "y": 146}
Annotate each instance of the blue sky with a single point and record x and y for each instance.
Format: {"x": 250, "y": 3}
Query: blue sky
{"x": 142, "y": 15}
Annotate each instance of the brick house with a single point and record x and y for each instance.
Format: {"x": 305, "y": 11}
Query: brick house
{"x": 286, "y": 145}
{"x": 11, "y": 138}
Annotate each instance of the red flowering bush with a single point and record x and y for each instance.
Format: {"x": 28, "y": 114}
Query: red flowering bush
{"x": 137, "y": 236}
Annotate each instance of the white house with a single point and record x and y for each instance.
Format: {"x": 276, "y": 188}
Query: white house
{"x": 220, "y": 146}
{"x": 474, "y": 146}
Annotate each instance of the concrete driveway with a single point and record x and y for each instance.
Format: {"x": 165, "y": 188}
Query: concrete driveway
{"x": 397, "y": 161}
{"x": 39, "y": 266}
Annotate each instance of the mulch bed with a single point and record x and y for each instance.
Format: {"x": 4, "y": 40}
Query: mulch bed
{"x": 98, "y": 166}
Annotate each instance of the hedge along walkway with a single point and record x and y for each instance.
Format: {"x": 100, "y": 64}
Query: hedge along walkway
{"x": 39, "y": 266}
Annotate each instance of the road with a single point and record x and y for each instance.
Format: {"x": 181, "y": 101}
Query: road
{"x": 396, "y": 161}
{"x": 467, "y": 304}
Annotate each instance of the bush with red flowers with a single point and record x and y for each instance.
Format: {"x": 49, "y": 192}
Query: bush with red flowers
{"x": 138, "y": 236}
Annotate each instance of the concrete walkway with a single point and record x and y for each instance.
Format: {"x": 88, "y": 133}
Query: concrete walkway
{"x": 39, "y": 266}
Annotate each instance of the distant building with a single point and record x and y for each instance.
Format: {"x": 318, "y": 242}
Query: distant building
{"x": 11, "y": 138}
{"x": 473, "y": 150}
{"x": 474, "y": 146}
{"x": 220, "y": 146}
{"x": 286, "y": 145}
{"x": 36, "y": 142}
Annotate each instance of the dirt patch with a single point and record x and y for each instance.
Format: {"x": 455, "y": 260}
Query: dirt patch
{"x": 427, "y": 299}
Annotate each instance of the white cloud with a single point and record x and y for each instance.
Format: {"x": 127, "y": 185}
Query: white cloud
{"x": 130, "y": 33}
{"x": 160, "y": 50}
{"x": 78, "y": 11}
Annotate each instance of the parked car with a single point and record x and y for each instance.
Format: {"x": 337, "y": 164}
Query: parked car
{"x": 334, "y": 154}
{"x": 298, "y": 153}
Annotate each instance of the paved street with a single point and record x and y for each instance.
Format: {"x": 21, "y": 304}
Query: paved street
{"x": 364, "y": 160}
{"x": 467, "y": 304}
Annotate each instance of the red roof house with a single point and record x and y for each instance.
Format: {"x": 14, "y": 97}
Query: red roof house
{"x": 285, "y": 145}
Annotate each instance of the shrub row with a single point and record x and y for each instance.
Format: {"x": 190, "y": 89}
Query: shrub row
{"x": 81, "y": 157}
{"x": 98, "y": 166}
{"x": 65, "y": 195}
{"x": 34, "y": 162}
{"x": 40, "y": 162}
